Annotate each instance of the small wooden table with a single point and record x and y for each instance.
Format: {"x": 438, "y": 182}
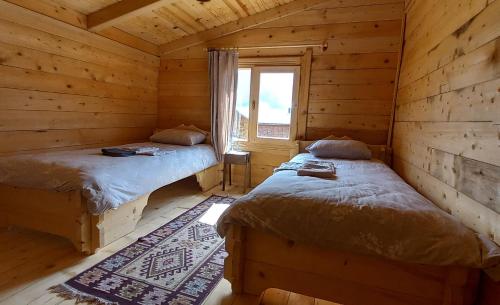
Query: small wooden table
{"x": 241, "y": 158}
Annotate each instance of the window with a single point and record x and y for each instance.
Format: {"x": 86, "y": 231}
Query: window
{"x": 265, "y": 104}
{"x": 242, "y": 114}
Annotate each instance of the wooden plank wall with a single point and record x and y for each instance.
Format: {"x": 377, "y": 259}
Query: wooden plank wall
{"x": 64, "y": 87}
{"x": 352, "y": 82}
{"x": 447, "y": 129}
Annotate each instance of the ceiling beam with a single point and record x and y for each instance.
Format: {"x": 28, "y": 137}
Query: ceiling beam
{"x": 241, "y": 24}
{"x": 77, "y": 19}
{"x": 120, "y": 11}
{"x": 130, "y": 40}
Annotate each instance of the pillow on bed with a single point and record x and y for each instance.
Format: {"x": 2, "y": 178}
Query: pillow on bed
{"x": 334, "y": 137}
{"x": 178, "y": 137}
{"x": 340, "y": 149}
{"x": 193, "y": 128}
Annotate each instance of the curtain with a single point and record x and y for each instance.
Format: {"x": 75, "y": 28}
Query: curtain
{"x": 223, "y": 70}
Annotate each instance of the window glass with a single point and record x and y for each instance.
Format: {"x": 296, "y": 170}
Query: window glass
{"x": 275, "y": 105}
{"x": 242, "y": 113}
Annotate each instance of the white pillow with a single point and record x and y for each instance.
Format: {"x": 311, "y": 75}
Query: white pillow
{"x": 178, "y": 137}
{"x": 334, "y": 137}
{"x": 340, "y": 149}
{"x": 193, "y": 128}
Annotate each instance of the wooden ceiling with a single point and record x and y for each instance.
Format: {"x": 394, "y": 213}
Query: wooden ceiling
{"x": 160, "y": 22}
{"x": 86, "y": 6}
{"x": 163, "y": 26}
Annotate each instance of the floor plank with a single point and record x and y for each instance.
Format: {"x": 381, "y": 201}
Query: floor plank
{"x": 31, "y": 262}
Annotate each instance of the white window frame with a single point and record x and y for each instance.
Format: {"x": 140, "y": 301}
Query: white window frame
{"x": 253, "y": 140}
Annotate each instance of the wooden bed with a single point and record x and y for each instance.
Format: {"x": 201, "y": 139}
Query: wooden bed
{"x": 65, "y": 213}
{"x": 258, "y": 261}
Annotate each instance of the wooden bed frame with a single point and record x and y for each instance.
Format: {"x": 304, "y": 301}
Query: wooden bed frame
{"x": 258, "y": 261}
{"x": 65, "y": 213}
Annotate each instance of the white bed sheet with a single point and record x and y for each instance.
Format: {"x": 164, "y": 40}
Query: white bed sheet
{"x": 106, "y": 182}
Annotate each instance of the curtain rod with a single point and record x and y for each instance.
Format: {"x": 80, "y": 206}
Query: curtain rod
{"x": 323, "y": 47}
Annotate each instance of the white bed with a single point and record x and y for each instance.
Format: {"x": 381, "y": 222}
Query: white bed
{"x": 90, "y": 198}
{"x": 106, "y": 182}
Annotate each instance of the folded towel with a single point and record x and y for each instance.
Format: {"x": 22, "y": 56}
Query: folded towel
{"x": 293, "y": 166}
{"x": 320, "y": 169}
{"x": 117, "y": 152}
{"x": 135, "y": 150}
{"x": 318, "y": 173}
{"x": 149, "y": 150}
{"x": 144, "y": 150}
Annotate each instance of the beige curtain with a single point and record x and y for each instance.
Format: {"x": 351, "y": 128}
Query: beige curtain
{"x": 223, "y": 69}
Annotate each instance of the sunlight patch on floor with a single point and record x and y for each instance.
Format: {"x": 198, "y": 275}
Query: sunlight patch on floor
{"x": 213, "y": 213}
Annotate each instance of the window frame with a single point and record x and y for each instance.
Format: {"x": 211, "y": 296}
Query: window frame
{"x": 267, "y": 67}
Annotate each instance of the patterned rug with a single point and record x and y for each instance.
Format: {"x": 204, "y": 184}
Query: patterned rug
{"x": 177, "y": 264}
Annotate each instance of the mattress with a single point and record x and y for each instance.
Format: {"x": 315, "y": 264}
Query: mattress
{"x": 367, "y": 209}
{"x": 106, "y": 182}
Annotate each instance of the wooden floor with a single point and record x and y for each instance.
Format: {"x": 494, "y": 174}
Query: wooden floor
{"x": 31, "y": 262}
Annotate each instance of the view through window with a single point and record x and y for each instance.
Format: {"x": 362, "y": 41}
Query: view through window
{"x": 242, "y": 115}
{"x": 275, "y": 105}
{"x": 265, "y": 101}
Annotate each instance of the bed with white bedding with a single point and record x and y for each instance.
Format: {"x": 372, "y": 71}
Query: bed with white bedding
{"x": 106, "y": 182}
{"x": 90, "y": 198}
{"x": 331, "y": 238}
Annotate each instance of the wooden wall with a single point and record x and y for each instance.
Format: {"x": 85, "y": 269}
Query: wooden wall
{"x": 447, "y": 129}
{"x": 61, "y": 86}
{"x": 352, "y": 82}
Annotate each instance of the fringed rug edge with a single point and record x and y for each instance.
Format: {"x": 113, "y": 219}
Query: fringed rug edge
{"x": 69, "y": 293}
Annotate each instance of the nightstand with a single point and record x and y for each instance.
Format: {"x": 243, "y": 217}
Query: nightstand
{"x": 240, "y": 158}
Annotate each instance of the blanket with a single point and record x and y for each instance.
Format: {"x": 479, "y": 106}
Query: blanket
{"x": 368, "y": 209}
{"x": 104, "y": 181}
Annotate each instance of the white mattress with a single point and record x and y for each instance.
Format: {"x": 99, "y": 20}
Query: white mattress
{"x": 107, "y": 182}
{"x": 367, "y": 209}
